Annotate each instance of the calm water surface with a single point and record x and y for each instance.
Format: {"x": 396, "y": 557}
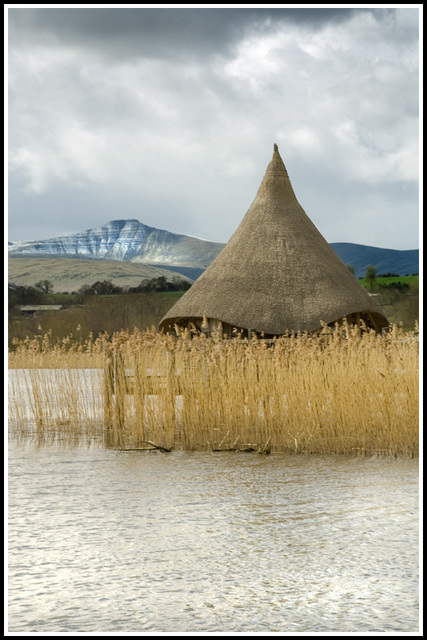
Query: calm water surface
{"x": 106, "y": 541}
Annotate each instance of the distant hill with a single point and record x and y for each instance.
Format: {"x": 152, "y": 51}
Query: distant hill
{"x": 132, "y": 243}
{"x": 403, "y": 263}
{"x": 69, "y": 274}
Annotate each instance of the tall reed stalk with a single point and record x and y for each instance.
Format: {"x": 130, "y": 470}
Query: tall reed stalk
{"x": 342, "y": 391}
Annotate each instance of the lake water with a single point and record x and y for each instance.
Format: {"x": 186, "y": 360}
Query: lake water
{"x": 108, "y": 541}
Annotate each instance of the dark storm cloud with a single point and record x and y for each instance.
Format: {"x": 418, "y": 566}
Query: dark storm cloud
{"x": 160, "y": 32}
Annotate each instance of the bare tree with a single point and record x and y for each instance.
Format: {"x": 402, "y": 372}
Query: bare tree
{"x": 44, "y": 285}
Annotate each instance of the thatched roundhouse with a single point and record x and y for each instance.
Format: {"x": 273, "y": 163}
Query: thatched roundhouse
{"x": 277, "y": 274}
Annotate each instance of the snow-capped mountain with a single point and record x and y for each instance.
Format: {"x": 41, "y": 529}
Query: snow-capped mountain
{"x": 125, "y": 240}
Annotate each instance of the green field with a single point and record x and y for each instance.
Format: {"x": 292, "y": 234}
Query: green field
{"x": 388, "y": 281}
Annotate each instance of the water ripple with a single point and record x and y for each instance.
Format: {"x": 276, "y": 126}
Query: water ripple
{"x": 101, "y": 541}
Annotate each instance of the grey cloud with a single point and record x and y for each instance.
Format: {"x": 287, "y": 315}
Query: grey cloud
{"x": 163, "y": 31}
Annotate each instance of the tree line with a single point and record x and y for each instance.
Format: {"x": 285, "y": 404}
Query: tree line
{"x": 153, "y": 285}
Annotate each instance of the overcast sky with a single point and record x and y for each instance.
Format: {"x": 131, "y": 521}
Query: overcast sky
{"x": 170, "y": 116}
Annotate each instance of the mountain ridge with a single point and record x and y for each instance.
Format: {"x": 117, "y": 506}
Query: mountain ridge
{"x": 129, "y": 240}
{"x": 126, "y": 240}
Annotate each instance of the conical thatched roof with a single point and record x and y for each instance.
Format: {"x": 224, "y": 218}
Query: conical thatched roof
{"x": 277, "y": 273}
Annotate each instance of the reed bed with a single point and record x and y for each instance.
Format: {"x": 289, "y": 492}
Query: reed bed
{"x": 70, "y": 352}
{"x": 344, "y": 391}
{"x": 56, "y": 406}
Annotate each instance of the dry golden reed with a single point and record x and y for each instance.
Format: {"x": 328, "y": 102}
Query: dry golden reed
{"x": 344, "y": 390}
{"x": 69, "y": 352}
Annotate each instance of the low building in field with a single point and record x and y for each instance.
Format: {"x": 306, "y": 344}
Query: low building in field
{"x": 35, "y": 309}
